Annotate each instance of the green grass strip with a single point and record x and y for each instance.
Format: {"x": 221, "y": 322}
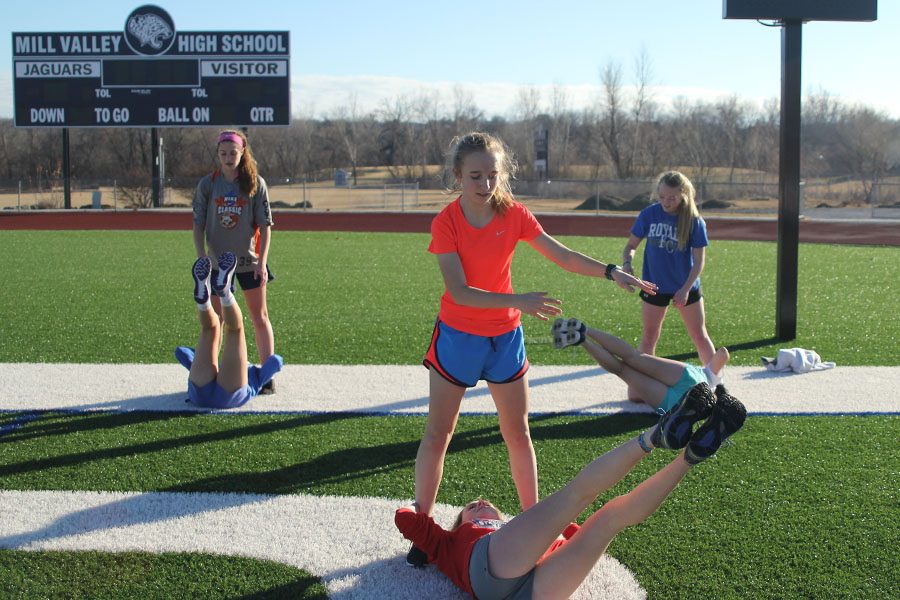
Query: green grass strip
{"x": 140, "y": 576}
{"x": 796, "y": 507}
{"x": 371, "y": 298}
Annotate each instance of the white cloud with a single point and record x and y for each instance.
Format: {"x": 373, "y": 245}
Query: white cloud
{"x": 320, "y": 95}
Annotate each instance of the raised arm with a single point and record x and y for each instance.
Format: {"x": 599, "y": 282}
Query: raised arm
{"x": 576, "y": 262}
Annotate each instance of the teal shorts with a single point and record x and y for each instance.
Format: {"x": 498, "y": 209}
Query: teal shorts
{"x": 692, "y": 376}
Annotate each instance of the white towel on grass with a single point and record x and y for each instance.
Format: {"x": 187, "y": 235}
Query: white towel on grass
{"x": 798, "y": 360}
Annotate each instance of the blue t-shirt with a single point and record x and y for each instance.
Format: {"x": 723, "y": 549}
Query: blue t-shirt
{"x": 664, "y": 264}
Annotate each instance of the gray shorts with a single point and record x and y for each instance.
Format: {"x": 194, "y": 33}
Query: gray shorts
{"x": 487, "y": 587}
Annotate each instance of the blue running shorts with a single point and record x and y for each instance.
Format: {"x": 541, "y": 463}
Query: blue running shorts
{"x": 464, "y": 358}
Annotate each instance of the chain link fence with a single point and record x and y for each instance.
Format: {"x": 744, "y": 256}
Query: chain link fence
{"x": 837, "y": 198}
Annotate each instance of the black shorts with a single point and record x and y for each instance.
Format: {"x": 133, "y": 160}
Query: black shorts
{"x": 246, "y": 279}
{"x": 664, "y": 299}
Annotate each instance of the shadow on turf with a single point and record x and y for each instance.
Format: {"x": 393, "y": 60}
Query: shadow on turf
{"x": 349, "y": 464}
{"x": 305, "y": 588}
{"x": 76, "y": 424}
{"x": 482, "y": 392}
{"x": 346, "y": 464}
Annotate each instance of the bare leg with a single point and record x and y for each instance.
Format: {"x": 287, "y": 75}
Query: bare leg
{"x": 652, "y": 391}
{"x": 560, "y": 574}
{"x": 664, "y": 370}
{"x": 652, "y": 317}
{"x": 262, "y": 326}
{"x": 719, "y": 360}
{"x": 443, "y": 412}
{"x": 516, "y": 547}
{"x": 511, "y": 400}
{"x": 694, "y": 318}
{"x": 233, "y": 366}
{"x": 205, "y": 366}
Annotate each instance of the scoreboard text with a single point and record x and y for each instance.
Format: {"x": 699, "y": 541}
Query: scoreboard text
{"x": 197, "y": 78}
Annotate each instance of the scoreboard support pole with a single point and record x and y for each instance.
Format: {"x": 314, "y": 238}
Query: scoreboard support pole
{"x": 789, "y": 184}
{"x": 154, "y": 143}
{"x": 67, "y": 170}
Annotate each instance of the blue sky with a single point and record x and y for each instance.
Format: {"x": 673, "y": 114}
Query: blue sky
{"x": 378, "y": 51}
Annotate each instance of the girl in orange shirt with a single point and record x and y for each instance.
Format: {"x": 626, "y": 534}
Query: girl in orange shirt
{"x": 478, "y": 333}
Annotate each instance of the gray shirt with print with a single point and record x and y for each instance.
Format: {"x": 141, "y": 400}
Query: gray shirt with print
{"x": 231, "y": 219}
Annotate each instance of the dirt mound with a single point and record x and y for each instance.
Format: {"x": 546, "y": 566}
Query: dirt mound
{"x": 715, "y": 205}
{"x": 638, "y": 203}
{"x": 601, "y": 202}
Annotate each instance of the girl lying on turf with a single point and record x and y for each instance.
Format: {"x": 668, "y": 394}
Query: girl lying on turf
{"x": 230, "y": 382}
{"x": 661, "y": 382}
{"x": 540, "y": 553}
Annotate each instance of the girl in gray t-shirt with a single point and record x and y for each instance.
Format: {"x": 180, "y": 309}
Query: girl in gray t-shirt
{"x": 232, "y": 214}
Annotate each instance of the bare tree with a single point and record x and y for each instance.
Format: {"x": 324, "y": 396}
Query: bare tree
{"x": 561, "y": 124}
{"x": 732, "y": 114}
{"x": 641, "y": 107}
{"x": 865, "y": 147}
{"x": 466, "y": 115}
{"x": 613, "y": 118}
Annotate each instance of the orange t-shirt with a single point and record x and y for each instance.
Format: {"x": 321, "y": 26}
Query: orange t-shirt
{"x": 486, "y": 256}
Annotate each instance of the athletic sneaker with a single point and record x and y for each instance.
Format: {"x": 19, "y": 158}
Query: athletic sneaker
{"x": 201, "y": 270}
{"x": 416, "y": 557}
{"x": 567, "y": 332}
{"x": 227, "y": 264}
{"x": 676, "y": 426}
{"x": 727, "y": 417}
{"x": 268, "y": 388}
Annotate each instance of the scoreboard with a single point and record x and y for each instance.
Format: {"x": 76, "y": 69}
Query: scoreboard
{"x": 149, "y": 75}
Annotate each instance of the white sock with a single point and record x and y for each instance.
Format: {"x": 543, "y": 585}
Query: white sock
{"x": 227, "y": 299}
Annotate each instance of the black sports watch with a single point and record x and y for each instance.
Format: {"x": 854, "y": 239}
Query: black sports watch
{"x": 609, "y": 271}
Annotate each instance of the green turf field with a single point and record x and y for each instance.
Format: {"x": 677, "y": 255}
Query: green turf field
{"x": 355, "y": 298}
{"x": 797, "y": 507}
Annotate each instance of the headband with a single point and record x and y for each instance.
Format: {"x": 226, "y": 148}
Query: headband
{"x": 228, "y": 136}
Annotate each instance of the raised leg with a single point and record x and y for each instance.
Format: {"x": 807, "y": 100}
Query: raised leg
{"x": 205, "y": 366}
{"x": 560, "y": 574}
{"x": 233, "y": 365}
{"x": 664, "y": 370}
{"x": 650, "y": 390}
{"x": 516, "y": 547}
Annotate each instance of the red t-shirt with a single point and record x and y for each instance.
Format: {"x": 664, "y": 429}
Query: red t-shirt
{"x": 486, "y": 255}
{"x": 450, "y": 550}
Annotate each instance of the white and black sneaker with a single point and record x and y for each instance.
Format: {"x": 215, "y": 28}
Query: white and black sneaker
{"x": 567, "y": 332}
{"x": 675, "y": 428}
{"x": 201, "y": 270}
{"x": 728, "y": 415}
{"x": 227, "y": 265}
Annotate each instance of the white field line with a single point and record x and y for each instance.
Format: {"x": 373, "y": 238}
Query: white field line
{"x": 351, "y": 543}
{"x": 392, "y": 389}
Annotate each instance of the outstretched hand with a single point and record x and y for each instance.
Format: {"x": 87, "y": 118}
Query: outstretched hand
{"x": 628, "y": 282}
{"x": 538, "y": 304}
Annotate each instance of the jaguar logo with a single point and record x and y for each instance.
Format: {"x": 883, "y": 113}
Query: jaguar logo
{"x": 151, "y": 30}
